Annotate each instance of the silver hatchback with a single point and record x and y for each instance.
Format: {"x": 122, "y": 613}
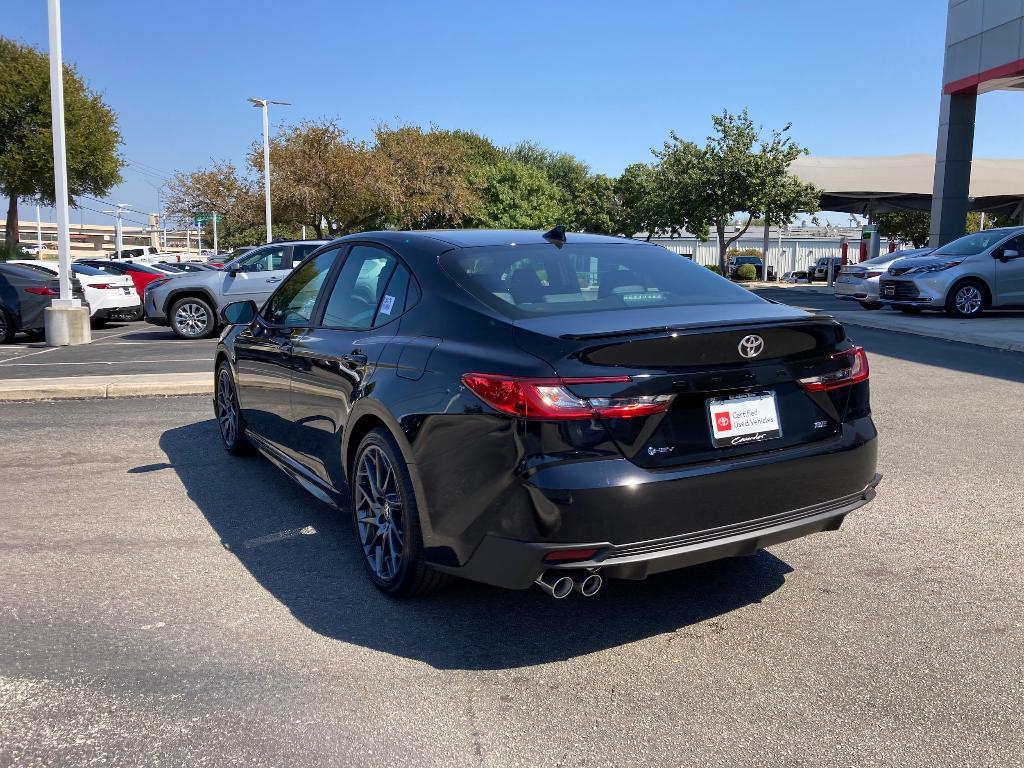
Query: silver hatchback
{"x": 965, "y": 277}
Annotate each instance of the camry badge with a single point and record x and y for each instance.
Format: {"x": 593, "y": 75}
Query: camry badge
{"x": 751, "y": 346}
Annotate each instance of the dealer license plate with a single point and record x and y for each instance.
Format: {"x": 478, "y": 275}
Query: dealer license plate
{"x": 743, "y": 420}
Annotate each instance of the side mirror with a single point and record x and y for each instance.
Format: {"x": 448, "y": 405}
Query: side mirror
{"x": 239, "y": 313}
{"x": 1008, "y": 254}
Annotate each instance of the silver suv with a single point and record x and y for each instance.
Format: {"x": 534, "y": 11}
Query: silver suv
{"x": 190, "y": 303}
{"x": 965, "y": 277}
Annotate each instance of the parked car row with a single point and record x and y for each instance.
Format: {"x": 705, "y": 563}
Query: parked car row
{"x": 980, "y": 271}
{"x": 24, "y": 295}
{"x": 110, "y": 296}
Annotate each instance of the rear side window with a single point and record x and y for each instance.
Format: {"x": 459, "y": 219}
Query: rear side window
{"x": 359, "y": 289}
{"x": 395, "y": 300}
{"x": 84, "y": 269}
{"x": 525, "y": 280}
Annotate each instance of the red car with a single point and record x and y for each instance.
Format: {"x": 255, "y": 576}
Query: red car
{"x": 140, "y": 274}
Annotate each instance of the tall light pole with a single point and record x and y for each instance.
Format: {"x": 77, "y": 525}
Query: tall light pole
{"x": 118, "y": 238}
{"x": 60, "y": 161}
{"x": 262, "y": 103}
{"x": 39, "y": 229}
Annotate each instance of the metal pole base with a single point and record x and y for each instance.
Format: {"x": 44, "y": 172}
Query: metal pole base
{"x": 67, "y": 326}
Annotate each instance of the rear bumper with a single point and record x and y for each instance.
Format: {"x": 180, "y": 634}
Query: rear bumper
{"x": 517, "y": 564}
{"x": 648, "y": 521}
{"x": 151, "y": 310}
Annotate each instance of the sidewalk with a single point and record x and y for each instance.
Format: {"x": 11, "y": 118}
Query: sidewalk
{"x": 1000, "y": 329}
{"x": 135, "y": 385}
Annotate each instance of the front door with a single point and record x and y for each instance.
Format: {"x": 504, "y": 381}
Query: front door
{"x": 264, "y": 351}
{"x": 334, "y": 357}
{"x": 1009, "y": 289}
{"x": 257, "y": 274}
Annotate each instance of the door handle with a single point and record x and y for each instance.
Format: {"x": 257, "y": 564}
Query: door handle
{"x": 273, "y": 279}
{"x": 355, "y": 358}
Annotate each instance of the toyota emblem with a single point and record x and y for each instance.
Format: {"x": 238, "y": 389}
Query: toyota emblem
{"x": 751, "y": 346}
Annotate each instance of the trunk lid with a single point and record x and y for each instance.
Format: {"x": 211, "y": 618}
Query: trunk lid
{"x": 694, "y": 354}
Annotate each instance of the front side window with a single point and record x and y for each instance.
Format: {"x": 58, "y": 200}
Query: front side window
{"x": 358, "y": 291}
{"x": 293, "y": 304}
{"x": 262, "y": 260}
{"x": 525, "y": 280}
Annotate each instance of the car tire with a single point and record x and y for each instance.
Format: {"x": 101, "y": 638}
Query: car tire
{"x": 192, "y": 318}
{"x": 910, "y": 310}
{"x": 967, "y": 299}
{"x": 229, "y": 414}
{"x": 6, "y": 327}
{"x": 386, "y": 519}
{"x": 870, "y": 304}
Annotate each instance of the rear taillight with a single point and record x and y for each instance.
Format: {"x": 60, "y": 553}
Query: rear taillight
{"x": 550, "y": 399}
{"x": 42, "y": 290}
{"x": 854, "y": 372}
{"x": 103, "y": 286}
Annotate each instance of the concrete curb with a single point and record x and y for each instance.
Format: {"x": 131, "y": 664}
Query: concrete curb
{"x": 138, "y": 385}
{"x": 943, "y": 333}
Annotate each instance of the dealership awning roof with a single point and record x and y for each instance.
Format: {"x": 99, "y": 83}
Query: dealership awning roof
{"x": 904, "y": 183}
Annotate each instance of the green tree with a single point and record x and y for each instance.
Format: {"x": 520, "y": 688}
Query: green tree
{"x": 737, "y": 169}
{"x": 640, "y": 202}
{"x": 913, "y": 226}
{"x": 905, "y": 226}
{"x": 26, "y": 138}
{"x": 519, "y": 196}
{"x": 430, "y": 176}
{"x": 324, "y": 180}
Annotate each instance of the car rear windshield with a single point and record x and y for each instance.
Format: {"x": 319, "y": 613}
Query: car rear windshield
{"x": 85, "y": 269}
{"x": 525, "y": 280}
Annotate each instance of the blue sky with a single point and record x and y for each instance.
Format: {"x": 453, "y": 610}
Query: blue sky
{"x": 603, "y": 80}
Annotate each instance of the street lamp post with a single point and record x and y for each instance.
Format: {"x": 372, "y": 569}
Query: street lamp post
{"x": 263, "y": 103}
{"x": 66, "y": 321}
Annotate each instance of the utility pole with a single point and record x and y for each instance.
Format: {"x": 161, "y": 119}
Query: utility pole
{"x": 215, "y": 234}
{"x": 263, "y": 103}
{"x": 39, "y": 230}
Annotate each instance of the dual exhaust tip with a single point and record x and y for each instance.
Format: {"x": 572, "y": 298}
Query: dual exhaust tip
{"x": 559, "y": 584}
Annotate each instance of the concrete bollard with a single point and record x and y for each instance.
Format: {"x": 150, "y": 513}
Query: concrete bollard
{"x": 67, "y": 326}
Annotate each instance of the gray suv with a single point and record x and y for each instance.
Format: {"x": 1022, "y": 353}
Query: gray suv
{"x": 190, "y": 303}
{"x": 965, "y": 277}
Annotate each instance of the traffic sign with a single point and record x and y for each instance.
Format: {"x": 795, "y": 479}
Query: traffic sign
{"x": 205, "y": 218}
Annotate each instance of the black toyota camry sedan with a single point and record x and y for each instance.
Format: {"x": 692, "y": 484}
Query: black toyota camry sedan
{"x": 516, "y": 407}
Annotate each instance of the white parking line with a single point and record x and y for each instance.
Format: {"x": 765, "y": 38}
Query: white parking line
{"x": 37, "y": 352}
{"x": 114, "y": 362}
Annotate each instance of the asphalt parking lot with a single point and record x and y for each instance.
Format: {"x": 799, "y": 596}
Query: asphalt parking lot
{"x": 164, "y": 603}
{"x": 118, "y": 348}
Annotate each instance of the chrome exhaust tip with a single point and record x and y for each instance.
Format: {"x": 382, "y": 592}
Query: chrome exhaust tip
{"x": 589, "y": 585}
{"x": 555, "y": 585}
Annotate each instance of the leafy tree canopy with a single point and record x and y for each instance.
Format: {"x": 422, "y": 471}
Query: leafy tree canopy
{"x": 26, "y": 137}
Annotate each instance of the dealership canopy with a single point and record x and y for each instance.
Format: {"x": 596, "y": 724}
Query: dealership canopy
{"x": 867, "y": 185}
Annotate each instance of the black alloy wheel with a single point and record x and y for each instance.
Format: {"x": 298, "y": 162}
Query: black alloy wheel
{"x": 387, "y": 519}
{"x": 6, "y": 327}
{"x": 229, "y": 416}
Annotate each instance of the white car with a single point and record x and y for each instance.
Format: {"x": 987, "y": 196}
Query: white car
{"x": 110, "y": 297}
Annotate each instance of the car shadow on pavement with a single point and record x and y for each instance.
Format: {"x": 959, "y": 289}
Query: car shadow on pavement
{"x": 305, "y": 554}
